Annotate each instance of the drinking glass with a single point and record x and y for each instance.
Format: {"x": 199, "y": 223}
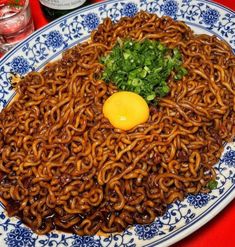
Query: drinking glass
{"x": 16, "y": 23}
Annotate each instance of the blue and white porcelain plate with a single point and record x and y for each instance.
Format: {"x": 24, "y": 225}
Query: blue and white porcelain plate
{"x": 181, "y": 218}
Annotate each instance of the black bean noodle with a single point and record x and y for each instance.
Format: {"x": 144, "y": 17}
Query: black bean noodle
{"x": 64, "y": 166}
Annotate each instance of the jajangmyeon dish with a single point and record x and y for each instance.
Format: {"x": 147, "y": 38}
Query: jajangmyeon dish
{"x": 64, "y": 166}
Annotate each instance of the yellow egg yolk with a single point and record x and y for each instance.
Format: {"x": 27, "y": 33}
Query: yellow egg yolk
{"x": 125, "y": 110}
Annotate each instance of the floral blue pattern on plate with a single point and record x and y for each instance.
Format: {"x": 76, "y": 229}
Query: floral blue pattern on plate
{"x": 54, "y": 39}
{"x": 47, "y": 44}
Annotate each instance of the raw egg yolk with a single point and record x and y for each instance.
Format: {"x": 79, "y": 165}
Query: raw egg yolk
{"x": 125, "y": 110}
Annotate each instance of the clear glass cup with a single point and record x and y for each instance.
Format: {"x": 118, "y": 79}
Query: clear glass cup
{"x": 16, "y": 23}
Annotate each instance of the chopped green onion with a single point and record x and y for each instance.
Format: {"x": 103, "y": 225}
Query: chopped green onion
{"x": 142, "y": 67}
{"x": 212, "y": 184}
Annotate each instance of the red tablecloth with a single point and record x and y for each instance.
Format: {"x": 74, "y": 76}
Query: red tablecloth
{"x": 219, "y": 231}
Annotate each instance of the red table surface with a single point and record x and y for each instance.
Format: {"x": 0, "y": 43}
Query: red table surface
{"x": 219, "y": 231}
